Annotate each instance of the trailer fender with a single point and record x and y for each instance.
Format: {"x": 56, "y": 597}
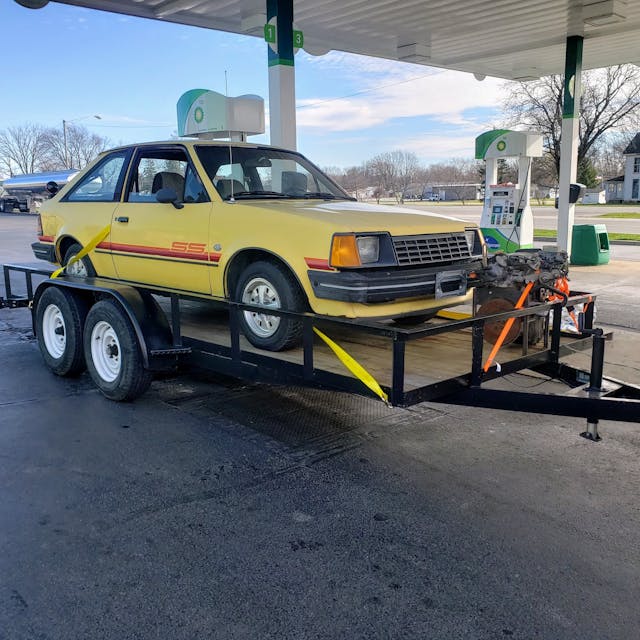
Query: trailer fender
{"x": 147, "y": 318}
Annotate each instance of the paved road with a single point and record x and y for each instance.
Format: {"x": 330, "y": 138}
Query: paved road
{"x": 216, "y": 509}
{"x": 547, "y": 218}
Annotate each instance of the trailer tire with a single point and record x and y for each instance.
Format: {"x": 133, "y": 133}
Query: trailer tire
{"x": 83, "y": 268}
{"x": 112, "y": 353}
{"x": 59, "y": 321}
{"x": 268, "y": 284}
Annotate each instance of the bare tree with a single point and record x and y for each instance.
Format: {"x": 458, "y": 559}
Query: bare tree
{"x": 458, "y": 176}
{"x": 393, "y": 172}
{"x": 406, "y": 169}
{"x": 607, "y": 158}
{"x": 382, "y": 172}
{"x": 21, "y": 148}
{"x": 610, "y": 100}
{"x": 82, "y": 147}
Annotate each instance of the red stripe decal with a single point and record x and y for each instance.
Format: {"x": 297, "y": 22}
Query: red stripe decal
{"x": 318, "y": 263}
{"x": 157, "y": 251}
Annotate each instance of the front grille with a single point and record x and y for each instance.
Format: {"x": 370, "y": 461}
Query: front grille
{"x": 430, "y": 249}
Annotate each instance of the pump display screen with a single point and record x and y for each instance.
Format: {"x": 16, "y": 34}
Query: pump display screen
{"x": 497, "y": 208}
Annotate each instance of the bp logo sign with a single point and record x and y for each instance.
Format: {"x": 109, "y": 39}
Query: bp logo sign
{"x": 198, "y": 115}
{"x": 501, "y": 146}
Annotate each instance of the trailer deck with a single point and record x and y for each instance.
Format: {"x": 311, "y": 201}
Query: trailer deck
{"x": 440, "y": 361}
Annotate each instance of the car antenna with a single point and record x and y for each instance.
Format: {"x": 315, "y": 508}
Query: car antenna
{"x": 226, "y": 95}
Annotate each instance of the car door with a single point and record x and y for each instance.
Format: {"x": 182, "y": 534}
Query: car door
{"x": 88, "y": 207}
{"x": 163, "y": 244}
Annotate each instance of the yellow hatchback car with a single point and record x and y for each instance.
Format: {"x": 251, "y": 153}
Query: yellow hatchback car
{"x": 259, "y": 225}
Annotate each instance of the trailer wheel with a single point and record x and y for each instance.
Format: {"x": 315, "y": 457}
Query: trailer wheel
{"x": 83, "y": 268}
{"x": 269, "y": 285}
{"x": 112, "y": 353}
{"x": 59, "y": 321}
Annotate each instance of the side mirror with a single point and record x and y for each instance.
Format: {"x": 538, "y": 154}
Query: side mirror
{"x": 52, "y": 187}
{"x": 168, "y": 195}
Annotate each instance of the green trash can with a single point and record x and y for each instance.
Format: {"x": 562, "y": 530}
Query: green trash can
{"x": 590, "y": 244}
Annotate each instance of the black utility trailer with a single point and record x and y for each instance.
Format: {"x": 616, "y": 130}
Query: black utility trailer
{"x": 103, "y": 323}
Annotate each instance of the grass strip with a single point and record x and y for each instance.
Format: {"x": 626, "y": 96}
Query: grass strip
{"x": 552, "y": 233}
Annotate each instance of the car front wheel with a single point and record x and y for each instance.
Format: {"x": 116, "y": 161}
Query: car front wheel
{"x": 267, "y": 284}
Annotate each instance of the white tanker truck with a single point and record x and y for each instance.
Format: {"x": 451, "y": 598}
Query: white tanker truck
{"x": 27, "y": 191}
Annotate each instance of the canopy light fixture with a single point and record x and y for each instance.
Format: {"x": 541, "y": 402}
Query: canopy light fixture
{"x": 604, "y": 12}
{"x": 414, "y": 52}
{"x": 32, "y": 4}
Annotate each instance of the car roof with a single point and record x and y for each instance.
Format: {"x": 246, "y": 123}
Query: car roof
{"x": 191, "y": 142}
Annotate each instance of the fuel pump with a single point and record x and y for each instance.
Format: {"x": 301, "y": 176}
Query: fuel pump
{"x": 507, "y": 221}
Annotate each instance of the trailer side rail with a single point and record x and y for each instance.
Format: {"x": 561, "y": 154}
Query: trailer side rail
{"x": 598, "y": 398}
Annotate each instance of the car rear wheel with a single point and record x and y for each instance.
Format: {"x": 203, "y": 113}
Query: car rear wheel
{"x": 267, "y": 284}
{"x": 112, "y": 353}
{"x": 82, "y": 268}
{"x": 59, "y": 321}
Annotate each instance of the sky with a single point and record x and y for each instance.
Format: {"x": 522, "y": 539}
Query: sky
{"x": 68, "y": 63}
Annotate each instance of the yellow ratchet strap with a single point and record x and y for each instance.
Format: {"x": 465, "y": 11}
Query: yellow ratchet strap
{"x": 354, "y": 367}
{"x": 95, "y": 241}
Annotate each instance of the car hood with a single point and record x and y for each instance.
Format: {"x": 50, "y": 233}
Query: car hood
{"x": 345, "y": 216}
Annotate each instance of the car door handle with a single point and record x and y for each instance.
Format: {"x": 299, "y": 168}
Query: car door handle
{"x": 122, "y": 219}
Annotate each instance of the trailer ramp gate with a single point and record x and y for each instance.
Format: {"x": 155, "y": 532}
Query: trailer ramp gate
{"x": 592, "y": 395}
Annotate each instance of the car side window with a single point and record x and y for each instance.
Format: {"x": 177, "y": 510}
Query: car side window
{"x": 102, "y": 183}
{"x": 168, "y": 168}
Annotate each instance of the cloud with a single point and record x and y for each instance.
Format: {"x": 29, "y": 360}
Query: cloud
{"x": 445, "y": 95}
{"x": 385, "y": 90}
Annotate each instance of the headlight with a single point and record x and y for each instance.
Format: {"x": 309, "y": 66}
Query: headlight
{"x": 474, "y": 241}
{"x": 353, "y": 250}
{"x": 368, "y": 248}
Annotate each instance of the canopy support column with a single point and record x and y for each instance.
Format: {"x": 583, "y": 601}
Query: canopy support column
{"x": 569, "y": 138}
{"x": 282, "y": 82}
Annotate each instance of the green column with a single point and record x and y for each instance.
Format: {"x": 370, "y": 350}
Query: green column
{"x": 572, "y": 73}
{"x": 282, "y": 10}
{"x": 569, "y": 138}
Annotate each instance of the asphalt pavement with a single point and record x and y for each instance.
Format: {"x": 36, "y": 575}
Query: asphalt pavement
{"x": 211, "y": 508}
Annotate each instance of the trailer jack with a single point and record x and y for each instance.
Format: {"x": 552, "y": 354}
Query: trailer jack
{"x": 595, "y": 388}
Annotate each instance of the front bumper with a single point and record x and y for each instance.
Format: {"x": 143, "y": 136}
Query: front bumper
{"x": 44, "y": 251}
{"x": 388, "y": 285}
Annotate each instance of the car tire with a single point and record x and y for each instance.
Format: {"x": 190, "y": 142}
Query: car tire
{"x": 112, "y": 353}
{"x": 268, "y": 284}
{"x": 83, "y": 268}
{"x": 59, "y": 321}
{"x": 2, "y": 206}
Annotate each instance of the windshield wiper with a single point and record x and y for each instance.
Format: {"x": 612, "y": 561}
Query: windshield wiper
{"x": 258, "y": 193}
{"x": 324, "y": 195}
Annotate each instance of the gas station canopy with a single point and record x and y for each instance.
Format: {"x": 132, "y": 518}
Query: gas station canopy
{"x": 502, "y": 38}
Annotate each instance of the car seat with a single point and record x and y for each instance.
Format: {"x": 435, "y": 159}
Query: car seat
{"x": 168, "y": 180}
{"x": 225, "y": 185}
{"x": 294, "y": 183}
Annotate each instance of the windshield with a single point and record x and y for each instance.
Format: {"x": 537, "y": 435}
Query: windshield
{"x": 261, "y": 172}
